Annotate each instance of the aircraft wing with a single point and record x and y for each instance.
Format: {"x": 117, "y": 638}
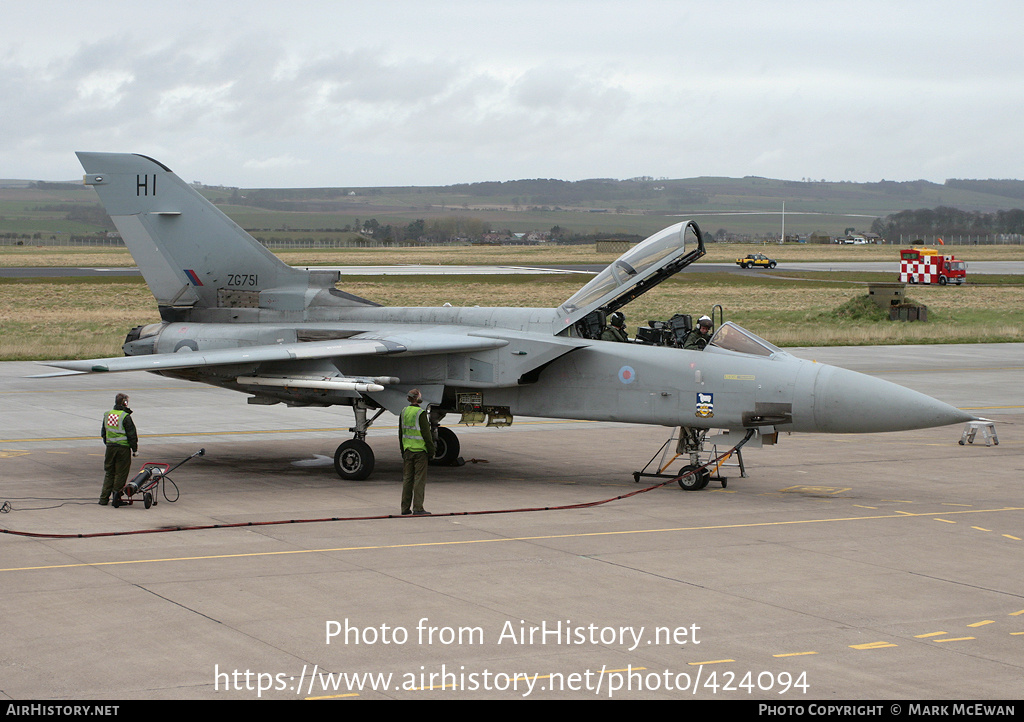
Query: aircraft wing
{"x": 414, "y": 343}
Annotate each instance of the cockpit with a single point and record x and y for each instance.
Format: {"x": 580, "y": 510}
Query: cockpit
{"x": 635, "y": 272}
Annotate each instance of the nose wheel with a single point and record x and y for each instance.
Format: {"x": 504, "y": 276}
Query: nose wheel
{"x": 694, "y": 478}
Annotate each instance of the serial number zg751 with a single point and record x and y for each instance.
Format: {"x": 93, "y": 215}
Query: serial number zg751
{"x": 242, "y": 279}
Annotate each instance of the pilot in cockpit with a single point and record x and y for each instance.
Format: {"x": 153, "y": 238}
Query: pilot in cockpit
{"x": 616, "y": 329}
{"x": 698, "y": 338}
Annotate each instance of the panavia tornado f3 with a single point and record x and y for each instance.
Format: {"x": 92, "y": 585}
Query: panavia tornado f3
{"x": 235, "y": 316}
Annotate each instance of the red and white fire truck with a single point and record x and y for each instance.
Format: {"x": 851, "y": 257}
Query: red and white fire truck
{"x": 927, "y": 265}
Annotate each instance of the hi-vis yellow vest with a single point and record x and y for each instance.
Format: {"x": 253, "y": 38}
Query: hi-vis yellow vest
{"x": 113, "y": 422}
{"x": 412, "y": 438}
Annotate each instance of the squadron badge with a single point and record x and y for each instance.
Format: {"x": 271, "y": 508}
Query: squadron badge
{"x": 705, "y": 406}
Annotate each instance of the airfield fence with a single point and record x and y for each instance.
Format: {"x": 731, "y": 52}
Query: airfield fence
{"x": 978, "y": 239}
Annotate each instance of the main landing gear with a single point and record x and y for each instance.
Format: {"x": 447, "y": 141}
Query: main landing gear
{"x": 354, "y": 460}
{"x": 446, "y": 448}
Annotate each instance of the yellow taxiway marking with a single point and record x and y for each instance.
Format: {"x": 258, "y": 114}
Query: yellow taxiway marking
{"x": 333, "y": 696}
{"x": 752, "y": 525}
{"x": 794, "y": 654}
{"x": 816, "y": 489}
{"x": 955, "y": 639}
{"x": 982, "y": 624}
{"x": 872, "y": 645}
{"x": 1017, "y": 614}
{"x": 711, "y": 661}
{"x": 946, "y": 521}
{"x": 930, "y": 634}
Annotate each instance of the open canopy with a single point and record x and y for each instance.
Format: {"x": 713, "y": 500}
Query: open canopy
{"x": 636, "y": 271}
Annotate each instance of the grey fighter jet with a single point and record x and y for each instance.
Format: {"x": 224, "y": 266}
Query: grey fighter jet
{"x": 235, "y": 316}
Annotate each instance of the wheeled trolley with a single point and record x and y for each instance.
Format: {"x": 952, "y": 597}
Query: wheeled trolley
{"x": 146, "y": 482}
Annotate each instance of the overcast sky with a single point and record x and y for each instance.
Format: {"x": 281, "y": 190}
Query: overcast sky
{"x": 267, "y": 93}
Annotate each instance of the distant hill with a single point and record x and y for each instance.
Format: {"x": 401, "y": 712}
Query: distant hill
{"x": 661, "y": 195}
{"x": 724, "y": 207}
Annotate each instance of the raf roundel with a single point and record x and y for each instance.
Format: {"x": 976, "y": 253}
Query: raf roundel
{"x": 627, "y": 375}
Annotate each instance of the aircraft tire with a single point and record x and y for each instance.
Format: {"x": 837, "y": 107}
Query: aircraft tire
{"x": 446, "y": 447}
{"x": 694, "y": 482}
{"x": 353, "y": 460}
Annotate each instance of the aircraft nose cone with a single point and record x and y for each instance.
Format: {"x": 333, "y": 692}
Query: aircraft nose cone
{"x": 849, "y": 402}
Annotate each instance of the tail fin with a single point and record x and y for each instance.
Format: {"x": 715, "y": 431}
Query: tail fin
{"x": 192, "y": 255}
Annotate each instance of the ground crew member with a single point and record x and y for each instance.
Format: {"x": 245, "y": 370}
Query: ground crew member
{"x": 698, "y": 338}
{"x": 417, "y": 444}
{"x": 616, "y": 330}
{"x": 118, "y": 433}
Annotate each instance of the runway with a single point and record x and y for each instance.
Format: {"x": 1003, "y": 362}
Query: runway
{"x": 843, "y": 567}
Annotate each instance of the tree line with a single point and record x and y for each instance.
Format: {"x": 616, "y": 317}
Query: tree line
{"x": 948, "y": 221}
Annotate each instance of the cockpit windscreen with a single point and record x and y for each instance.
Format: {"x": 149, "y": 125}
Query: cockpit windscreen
{"x": 733, "y": 338}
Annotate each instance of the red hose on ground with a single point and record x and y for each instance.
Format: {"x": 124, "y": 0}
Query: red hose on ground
{"x": 583, "y": 505}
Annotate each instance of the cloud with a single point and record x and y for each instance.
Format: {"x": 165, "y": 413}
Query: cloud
{"x": 400, "y": 92}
